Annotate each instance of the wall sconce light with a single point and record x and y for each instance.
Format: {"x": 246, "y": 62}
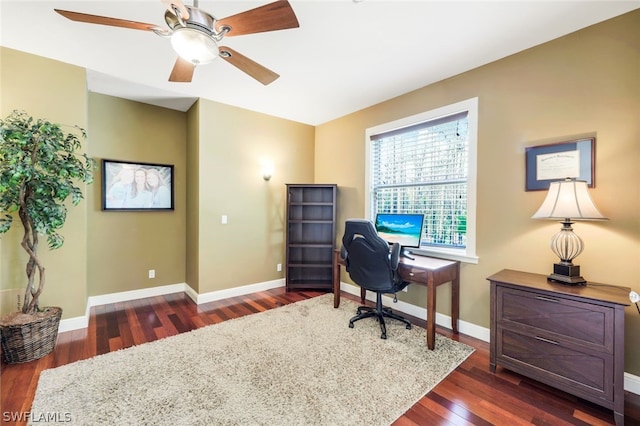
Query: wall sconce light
{"x": 567, "y": 201}
{"x": 267, "y": 171}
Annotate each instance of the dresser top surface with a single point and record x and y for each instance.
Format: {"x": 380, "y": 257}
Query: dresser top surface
{"x": 592, "y": 290}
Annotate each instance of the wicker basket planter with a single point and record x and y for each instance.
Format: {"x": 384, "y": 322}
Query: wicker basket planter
{"x": 32, "y": 339}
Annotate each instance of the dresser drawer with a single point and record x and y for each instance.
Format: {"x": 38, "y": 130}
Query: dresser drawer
{"x": 569, "y": 337}
{"x": 558, "y": 318}
{"x": 559, "y": 365}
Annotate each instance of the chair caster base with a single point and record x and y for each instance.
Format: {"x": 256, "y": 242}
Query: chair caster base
{"x": 379, "y": 314}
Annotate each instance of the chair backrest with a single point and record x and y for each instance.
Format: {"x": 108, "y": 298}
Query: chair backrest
{"x": 368, "y": 260}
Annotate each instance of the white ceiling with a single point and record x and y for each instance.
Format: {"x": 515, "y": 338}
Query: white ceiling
{"x": 344, "y": 57}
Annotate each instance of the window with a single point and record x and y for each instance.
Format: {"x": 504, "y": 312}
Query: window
{"x": 426, "y": 164}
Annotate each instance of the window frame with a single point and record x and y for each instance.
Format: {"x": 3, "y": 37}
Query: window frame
{"x": 467, "y": 254}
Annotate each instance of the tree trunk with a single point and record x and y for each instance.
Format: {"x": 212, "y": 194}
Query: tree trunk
{"x": 30, "y": 245}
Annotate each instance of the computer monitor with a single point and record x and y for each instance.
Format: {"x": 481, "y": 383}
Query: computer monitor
{"x": 402, "y": 228}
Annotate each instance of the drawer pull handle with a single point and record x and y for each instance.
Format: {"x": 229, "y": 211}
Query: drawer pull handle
{"x": 411, "y": 274}
{"x": 542, "y": 339}
{"x": 547, "y": 299}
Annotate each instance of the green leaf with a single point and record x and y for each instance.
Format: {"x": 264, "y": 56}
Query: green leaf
{"x": 41, "y": 162}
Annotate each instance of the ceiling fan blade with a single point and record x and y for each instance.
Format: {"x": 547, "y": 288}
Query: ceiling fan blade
{"x": 184, "y": 12}
{"x": 182, "y": 71}
{"x": 271, "y": 17}
{"x": 246, "y": 65}
{"x": 104, "y": 20}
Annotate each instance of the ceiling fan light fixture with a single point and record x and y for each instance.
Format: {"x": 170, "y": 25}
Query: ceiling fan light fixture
{"x": 195, "y": 34}
{"x": 194, "y": 45}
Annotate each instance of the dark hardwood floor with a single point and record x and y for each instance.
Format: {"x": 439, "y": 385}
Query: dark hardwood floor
{"x": 470, "y": 395}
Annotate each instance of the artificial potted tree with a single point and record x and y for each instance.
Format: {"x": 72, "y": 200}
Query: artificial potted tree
{"x": 40, "y": 168}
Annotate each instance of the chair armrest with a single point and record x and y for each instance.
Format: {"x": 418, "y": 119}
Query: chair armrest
{"x": 394, "y": 256}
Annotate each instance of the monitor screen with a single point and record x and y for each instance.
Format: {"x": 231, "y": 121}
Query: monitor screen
{"x": 405, "y": 229}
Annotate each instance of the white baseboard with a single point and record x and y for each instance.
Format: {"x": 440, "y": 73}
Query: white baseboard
{"x": 631, "y": 382}
{"x": 442, "y": 320}
{"x": 125, "y": 296}
{"x": 238, "y": 291}
{"x": 76, "y": 323}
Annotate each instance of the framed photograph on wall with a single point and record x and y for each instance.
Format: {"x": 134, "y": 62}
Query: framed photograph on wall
{"x": 557, "y": 161}
{"x": 136, "y": 186}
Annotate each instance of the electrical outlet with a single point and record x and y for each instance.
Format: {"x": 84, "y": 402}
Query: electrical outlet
{"x": 152, "y": 273}
{"x": 279, "y": 267}
{"x": 634, "y": 297}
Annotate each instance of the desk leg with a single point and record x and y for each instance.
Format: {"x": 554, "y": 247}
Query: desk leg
{"x": 455, "y": 300}
{"x": 336, "y": 280}
{"x": 431, "y": 313}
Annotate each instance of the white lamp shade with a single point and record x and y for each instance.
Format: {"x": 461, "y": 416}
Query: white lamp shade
{"x": 568, "y": 199}
{"x": 194, "y": 46}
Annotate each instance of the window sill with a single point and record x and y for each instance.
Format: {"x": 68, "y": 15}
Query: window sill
{"x": 448, "y": 254}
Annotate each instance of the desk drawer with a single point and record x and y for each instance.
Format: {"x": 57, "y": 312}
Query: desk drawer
{"x": 413, "y": 274}
{"x": 582, "y": 324}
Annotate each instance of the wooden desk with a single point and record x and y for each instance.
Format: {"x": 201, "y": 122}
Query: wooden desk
{"x": 426, "y": 271}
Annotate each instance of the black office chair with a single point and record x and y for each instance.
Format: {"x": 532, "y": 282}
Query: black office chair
{"x": 374, "y": 267}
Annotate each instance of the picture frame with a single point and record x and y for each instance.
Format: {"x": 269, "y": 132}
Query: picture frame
{"x": 136, "y": 186}
{"x": 556, "y": 161}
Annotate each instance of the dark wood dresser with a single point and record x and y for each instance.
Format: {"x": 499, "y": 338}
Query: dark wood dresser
{"x": 569, "y": 337}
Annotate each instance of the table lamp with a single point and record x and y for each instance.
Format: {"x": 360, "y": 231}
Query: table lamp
{"x": 567, "y": 200}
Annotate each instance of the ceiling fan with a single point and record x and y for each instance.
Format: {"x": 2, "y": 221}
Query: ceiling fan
{"x": 195, "y": 34}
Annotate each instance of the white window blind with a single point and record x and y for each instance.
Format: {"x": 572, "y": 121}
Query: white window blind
{"x": 424, "y": 168}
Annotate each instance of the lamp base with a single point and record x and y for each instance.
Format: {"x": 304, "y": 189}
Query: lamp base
{"x": 566, "y": 274}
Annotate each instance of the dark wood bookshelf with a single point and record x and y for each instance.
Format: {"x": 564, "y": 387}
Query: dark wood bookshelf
{"x": 311, "y": 230}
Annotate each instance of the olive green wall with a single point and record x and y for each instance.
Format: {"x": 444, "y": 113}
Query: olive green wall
{"x": 124, "y": 246}
{"x": 55, "y": 91}
{"x": 580, "y": 85}
{"x": 193, "y": 201}
{"x": 583, "y": 84}
{"x": 217, "y": 151}
{"x": 231, "y": 147}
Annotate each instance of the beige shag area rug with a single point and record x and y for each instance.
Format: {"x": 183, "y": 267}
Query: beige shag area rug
{"x": 299, "y": 364}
